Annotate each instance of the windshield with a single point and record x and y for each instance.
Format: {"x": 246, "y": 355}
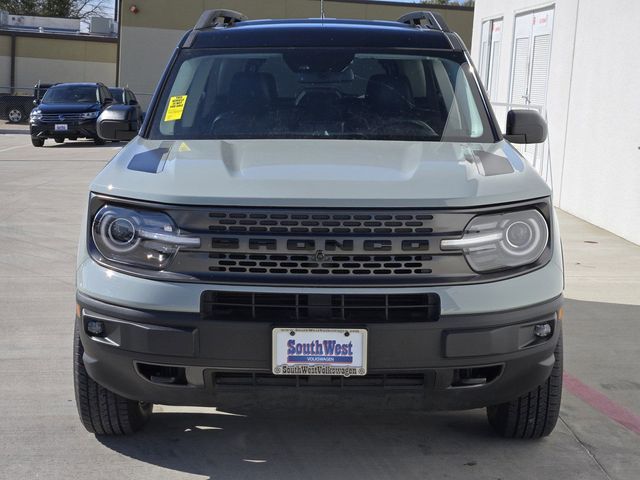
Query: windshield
{"x": 321, "y": 93}
{"x": 71, "y": 94}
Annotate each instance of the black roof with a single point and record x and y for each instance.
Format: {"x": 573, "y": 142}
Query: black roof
{"x": 321, "y": 33}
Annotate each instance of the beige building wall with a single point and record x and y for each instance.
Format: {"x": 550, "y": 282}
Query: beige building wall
{"x": 148, "y": 37}
{"x": 54, "y": 60}
{"x": 30, "y": 70}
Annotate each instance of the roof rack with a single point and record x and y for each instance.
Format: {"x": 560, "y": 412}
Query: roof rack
{"x": 219, "y": 18}
{"x": 432, "y": 20}
{"x": 214, "y": 19}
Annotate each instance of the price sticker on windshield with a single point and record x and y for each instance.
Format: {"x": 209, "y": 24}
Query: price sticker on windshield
{"x": 175, "y": 108}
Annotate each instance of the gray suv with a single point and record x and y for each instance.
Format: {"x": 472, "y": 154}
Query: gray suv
{"x": 319, "y": 208}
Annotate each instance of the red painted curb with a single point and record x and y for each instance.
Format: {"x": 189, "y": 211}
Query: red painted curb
{"x": 602, "y": 403}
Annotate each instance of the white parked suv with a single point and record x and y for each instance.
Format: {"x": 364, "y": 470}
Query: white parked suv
{"x": 319, "y": 208}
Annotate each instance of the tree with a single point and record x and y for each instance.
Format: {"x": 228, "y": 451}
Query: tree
{"x": 56, "y": 8}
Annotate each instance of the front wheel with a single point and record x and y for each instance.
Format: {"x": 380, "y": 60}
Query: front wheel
{"x": 534, "y": 414}
{"x": 101, "y": 411}
{"x": 37, "y": 142}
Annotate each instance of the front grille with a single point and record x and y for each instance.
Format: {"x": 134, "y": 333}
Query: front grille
{"x": 321, "y": 246}
{"x": 308, "y": 265}
{"x": 60, "y": 117}
{"x": 281, "y": 308}
{"x": 288, "y": 222}
{"x": 391, "y": 381}
{"x": 316, "y": 247}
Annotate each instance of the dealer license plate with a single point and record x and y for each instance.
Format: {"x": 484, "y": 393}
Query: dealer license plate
{"x": 319, "y": 351}
{"x": 61, "y": 127}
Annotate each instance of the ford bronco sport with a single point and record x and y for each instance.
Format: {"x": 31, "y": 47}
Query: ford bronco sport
{"x": 319, "y": 208}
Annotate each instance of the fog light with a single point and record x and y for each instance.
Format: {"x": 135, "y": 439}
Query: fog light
{"x": 95, "y": 328}
{"x": 542, "y": 331}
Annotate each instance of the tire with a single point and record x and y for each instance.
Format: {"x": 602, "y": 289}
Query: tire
{"x": 534, "y": 414}
{"x": 37, "y": 142}
{"x": 101, "y": 411}
{"x": 99, "y": 141}
{"x": 59, "y": 140}
{"x": 15, "y": 115}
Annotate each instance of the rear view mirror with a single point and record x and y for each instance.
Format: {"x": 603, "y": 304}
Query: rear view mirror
{"x": 118, "y": 122}
{"x": 525, "y": 126}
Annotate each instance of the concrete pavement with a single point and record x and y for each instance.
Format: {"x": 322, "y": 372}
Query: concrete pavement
{"x": 42, "y": 197}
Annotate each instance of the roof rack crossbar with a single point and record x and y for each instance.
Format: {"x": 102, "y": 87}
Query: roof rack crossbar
{"x": 215, "y": 18}
{"x": 432, "y": 20}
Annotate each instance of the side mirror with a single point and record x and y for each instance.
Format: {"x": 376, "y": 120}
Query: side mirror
{"x": 133, "y": 102}
{"x": 118, "y": 122}
{"x": 36, "y": 102}
{"x": 107, "y": 101}
{"x": 525, "y": 126}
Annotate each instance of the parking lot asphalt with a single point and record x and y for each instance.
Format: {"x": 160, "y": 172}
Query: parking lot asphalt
{"x": 43, "y": 193}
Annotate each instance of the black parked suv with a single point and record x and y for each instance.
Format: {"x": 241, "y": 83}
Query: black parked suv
{"x": 69, "y": 110}
{"x": 124, "y": 96}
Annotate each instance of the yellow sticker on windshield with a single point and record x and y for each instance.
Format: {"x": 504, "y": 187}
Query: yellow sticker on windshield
{"x": 175, "y": 108}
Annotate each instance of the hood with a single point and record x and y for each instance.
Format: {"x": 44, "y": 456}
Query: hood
{"x": 320, "y": 173}
{"x": 68, "y": 107}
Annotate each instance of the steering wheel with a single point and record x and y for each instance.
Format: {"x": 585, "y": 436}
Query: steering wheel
{"x": 400, "y": 126}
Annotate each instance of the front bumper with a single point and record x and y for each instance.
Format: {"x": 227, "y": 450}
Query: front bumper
{"x": 438, "y": 364}
{"x": 75, "y": 129}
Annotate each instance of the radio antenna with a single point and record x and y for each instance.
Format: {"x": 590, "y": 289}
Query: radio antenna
{"x": 322, "y": 9}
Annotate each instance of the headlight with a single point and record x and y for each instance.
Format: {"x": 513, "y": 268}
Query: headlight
{"x": 139, "y": 238}
{"x": 499, "y": 241}
{"x": 35, "y": 115}
{"x": 88, "y": 115}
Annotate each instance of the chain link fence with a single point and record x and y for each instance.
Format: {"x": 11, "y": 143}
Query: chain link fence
{"x": 17, "y": 102}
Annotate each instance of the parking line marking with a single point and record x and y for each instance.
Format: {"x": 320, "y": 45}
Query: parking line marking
{"x": 600, "y": 402}
{"x": 13, "y": 148}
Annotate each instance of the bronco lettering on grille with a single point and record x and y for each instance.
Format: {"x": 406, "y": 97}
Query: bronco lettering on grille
{"x": 292, "y": 245}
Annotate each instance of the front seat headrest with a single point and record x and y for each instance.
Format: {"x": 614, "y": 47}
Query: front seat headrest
{"x": 252, "y": 89}
{"x": 388, "y": 93}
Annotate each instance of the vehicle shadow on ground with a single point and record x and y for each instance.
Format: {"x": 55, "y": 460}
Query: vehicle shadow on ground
{"x": 273, "y": 441}
{"x": 263, "y": 443}
{"x": 82, "y": 144}
{"x": 12, "y": 131}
